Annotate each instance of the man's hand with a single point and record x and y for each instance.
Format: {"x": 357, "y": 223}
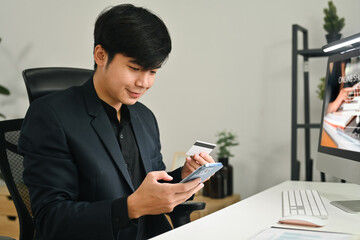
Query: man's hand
{"x": 153, "y": 198}
{"x": 342, "y": 97}
{"x": 194, "y": 162}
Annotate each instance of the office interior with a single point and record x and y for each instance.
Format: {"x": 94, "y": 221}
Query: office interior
{"x": 230, "y": 69}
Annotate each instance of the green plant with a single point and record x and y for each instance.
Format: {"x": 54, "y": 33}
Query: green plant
{"x": 4, "y": 91}
{"x": 333, "y": 24}
{"x": 224, "y": 142}
{"x": 321, "y": 88}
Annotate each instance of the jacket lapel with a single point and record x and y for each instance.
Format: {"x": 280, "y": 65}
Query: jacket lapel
{"x": 141, "y": 139}
{"x": 102, "y": 127}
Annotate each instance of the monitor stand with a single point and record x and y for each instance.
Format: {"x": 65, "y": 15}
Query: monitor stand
{"x": 350, "y": 206}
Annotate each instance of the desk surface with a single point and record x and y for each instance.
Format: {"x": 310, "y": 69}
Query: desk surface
{"x": 248, "y": 217}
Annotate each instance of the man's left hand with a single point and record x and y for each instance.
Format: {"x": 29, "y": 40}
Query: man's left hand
{"x": 194, "y": 162}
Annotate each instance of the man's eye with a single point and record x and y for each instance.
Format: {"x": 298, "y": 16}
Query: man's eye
{"x": 134, "y": 68}
{"x": 153, "y": 72}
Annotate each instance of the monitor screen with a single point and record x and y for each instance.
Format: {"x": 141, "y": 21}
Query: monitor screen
{"x": 339, "y": 143}
{"x": 340, "y": 128}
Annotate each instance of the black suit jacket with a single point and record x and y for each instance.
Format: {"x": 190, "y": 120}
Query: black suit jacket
{"x": 74, "y": 168}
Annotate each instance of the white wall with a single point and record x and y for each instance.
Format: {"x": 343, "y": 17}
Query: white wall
{"x": 230, "y": 69}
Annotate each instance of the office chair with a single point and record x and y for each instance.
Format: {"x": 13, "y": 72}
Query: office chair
{"x": 42, "y": 81}
{"x": 11, "y": 165}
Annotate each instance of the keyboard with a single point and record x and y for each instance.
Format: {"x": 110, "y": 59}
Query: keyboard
{"x": 303, "y": 202}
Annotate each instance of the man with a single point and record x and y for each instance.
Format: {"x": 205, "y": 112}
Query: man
{"x": 92, "y": 153}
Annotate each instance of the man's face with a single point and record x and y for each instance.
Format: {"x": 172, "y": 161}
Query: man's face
{"x": 122, "y": 81}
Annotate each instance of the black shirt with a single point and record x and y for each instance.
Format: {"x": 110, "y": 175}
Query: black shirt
{"x": 127, "y": 142}
{"x": 130, "y": 151}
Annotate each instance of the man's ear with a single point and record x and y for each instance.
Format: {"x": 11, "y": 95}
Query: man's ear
{"x": 100, "y": 56}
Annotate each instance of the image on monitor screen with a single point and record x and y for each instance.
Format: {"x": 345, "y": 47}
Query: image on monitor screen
{"x": 340, "y": 133}
{"x": 339, "y": 141}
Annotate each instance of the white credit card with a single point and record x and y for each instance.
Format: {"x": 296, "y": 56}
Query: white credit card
{"x": 199, "y": 147}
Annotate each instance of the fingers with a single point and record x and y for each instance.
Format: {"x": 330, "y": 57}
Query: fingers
{"x": 199, "y": 159}
{"x": 347, "y": 94}
{"x": 167, "y": 195}
{"x": 160, "y": 175}
{"x": 190, "y": 164}
{"x": 183, "y": 196}
{"x": 349, "y": 89}
{"x": 180, "y": 192}
{"x": 207, "y": 158}
{"x": 185, "y": 187}
{"x": 203, "y": 158}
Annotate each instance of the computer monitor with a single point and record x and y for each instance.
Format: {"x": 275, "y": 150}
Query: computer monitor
{"x": 339, "y": 143}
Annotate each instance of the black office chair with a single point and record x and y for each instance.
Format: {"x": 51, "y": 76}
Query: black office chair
{"x": 41, "y": 81}
{"x": 11, "y": 165}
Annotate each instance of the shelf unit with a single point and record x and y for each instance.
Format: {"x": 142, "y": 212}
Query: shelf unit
{"x": 306, "y": 53}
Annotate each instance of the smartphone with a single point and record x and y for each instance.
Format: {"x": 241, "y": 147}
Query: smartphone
{"x": 203, "y": 172}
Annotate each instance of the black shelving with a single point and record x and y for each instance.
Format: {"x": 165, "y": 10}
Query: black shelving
{"x": 306, "y": 53}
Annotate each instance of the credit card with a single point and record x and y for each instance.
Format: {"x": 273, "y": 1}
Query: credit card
{"x": 200, "y": 146}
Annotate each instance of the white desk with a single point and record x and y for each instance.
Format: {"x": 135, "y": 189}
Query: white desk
{"x": 261, "y": 211}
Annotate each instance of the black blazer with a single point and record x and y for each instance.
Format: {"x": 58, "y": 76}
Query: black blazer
{"x": 74, "y": 168}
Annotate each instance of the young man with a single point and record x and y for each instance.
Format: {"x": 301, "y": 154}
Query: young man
{"x": 92, "y": 153}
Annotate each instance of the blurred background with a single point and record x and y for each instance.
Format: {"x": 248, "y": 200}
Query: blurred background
{"x": 230, "y": 70}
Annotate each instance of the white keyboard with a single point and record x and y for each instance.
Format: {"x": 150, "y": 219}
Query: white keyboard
{"x": 303, "y": 202}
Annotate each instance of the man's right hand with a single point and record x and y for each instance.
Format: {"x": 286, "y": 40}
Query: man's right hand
{"x": 153, "y": 198}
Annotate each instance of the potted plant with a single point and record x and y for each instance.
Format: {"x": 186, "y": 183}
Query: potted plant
{"x": 224, "y": 142}
{"x": 333, "y": 24}
{"x": 222, "y": 181}
{"x": 321, "y": 88}
{"x": 4, "y": 91}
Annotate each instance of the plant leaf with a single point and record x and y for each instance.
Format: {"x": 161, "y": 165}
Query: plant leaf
{"x": 4, "y": 90}
{"x": 225, "y": 141}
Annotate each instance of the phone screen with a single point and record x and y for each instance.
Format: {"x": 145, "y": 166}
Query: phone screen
{"x": 203, "y": 172}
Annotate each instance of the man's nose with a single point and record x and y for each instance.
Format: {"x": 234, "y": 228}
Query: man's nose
{"x": 143, "y": 80}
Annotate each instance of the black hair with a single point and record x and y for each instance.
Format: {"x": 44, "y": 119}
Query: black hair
{"x": 134, "y": 32}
